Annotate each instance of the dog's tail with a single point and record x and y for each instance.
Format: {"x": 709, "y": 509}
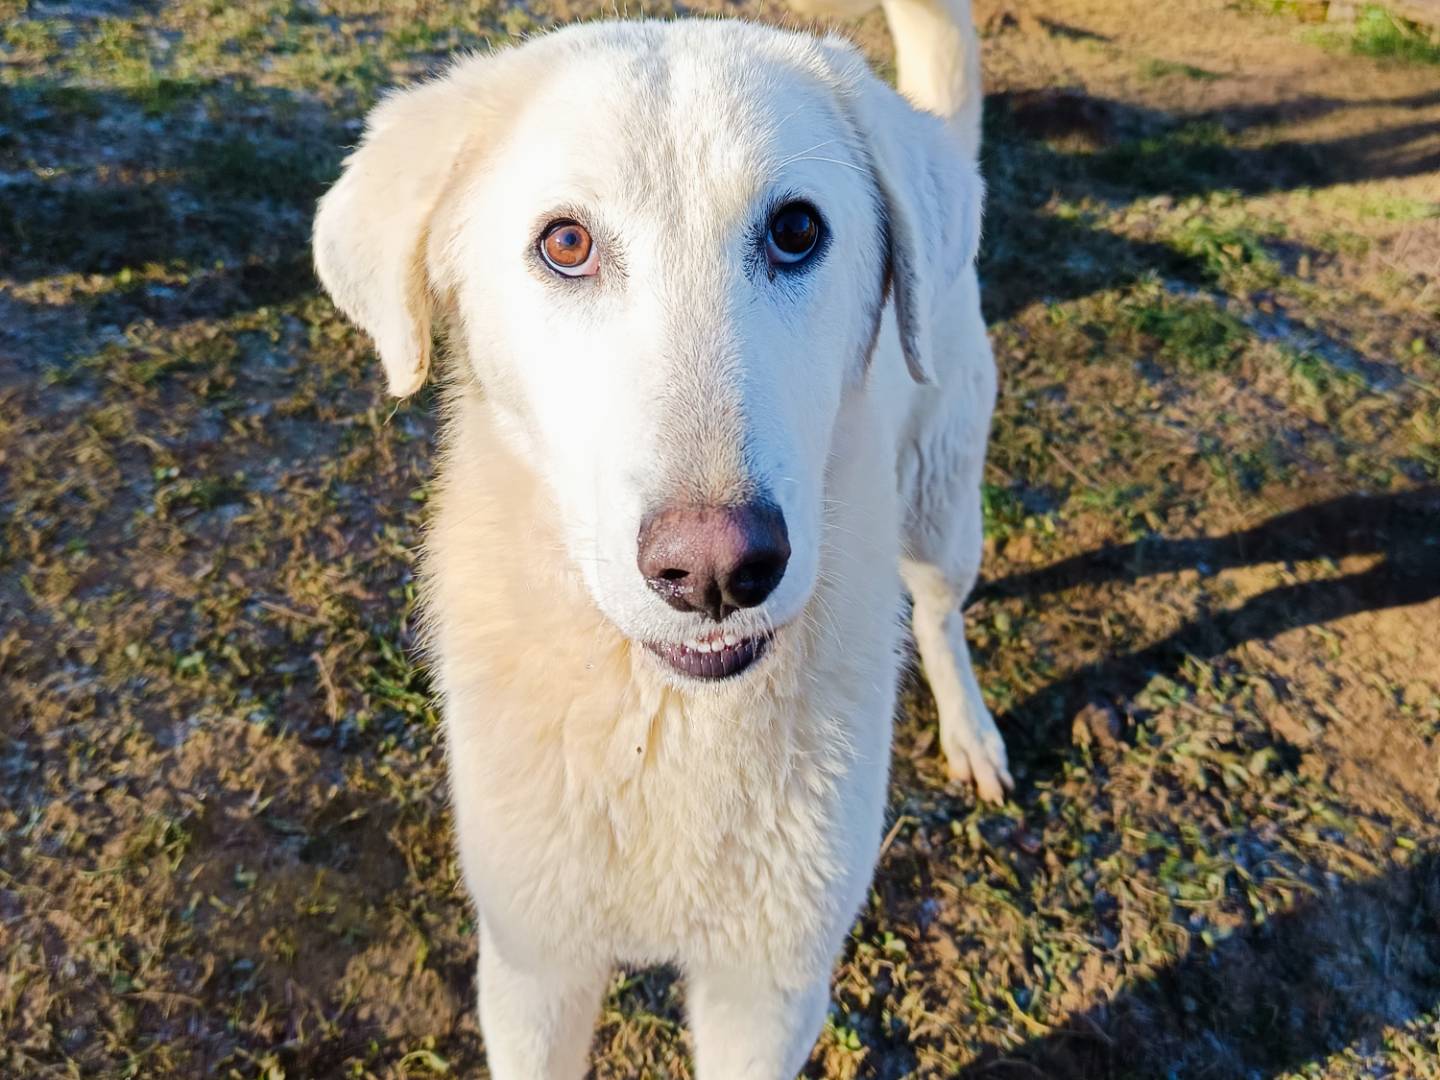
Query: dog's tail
{"x": 937, "y": 55}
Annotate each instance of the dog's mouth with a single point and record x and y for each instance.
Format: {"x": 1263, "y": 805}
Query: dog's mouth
{"x": 718, "y": 656}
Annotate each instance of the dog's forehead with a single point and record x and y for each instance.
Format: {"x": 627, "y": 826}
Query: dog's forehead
{"x": 709, "y": 116}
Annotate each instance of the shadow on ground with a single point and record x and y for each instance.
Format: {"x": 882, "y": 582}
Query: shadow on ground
{"x": 1040, "y": 144}
{"x": 1275, "y": 998}
{"x": 1402, "y": 530}
{"x": 209, "y": 221}
{"x": 1295, "y": 989}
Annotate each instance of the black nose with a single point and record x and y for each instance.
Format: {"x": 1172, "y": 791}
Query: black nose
{"x": 714, "y": 559}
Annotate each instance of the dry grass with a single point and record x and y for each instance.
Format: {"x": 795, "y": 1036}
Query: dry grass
{"x": 1211, "y": 601}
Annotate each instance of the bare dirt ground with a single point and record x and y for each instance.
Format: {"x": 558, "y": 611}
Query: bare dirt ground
{"x": 1209, "y": 620}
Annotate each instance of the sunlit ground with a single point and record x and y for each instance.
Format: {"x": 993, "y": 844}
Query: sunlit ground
{"x": 1208, "y": 623}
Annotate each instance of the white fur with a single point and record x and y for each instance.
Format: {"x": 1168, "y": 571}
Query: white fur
{"x": 608, "y": 809}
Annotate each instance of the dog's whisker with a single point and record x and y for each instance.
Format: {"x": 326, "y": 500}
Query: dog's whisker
{"x": 792, "y": 114}
{"x": 800, "y": 155}
{"x": 831, "y": 161}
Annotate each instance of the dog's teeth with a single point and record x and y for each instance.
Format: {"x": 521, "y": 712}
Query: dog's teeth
{"x": 731, "y": 641}
{"x": 702, "y": 646}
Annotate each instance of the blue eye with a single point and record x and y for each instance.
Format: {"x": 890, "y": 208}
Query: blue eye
{"x": 793, "y": 234}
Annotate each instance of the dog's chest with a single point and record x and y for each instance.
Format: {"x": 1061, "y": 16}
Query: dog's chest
{"x": 662, "y": 833}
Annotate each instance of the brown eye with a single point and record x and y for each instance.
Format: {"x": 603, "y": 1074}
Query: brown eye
{"x": 567, "y": 249}
{"x": 794, "y": 232}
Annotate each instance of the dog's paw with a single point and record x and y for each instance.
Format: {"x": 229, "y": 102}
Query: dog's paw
{"x": 976, "y": 754}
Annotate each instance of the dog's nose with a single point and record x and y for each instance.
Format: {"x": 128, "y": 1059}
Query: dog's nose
{"x": 714, "y": 559}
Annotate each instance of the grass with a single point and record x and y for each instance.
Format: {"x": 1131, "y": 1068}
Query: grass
{"x": 1174, "y": 159}
{"x": 1379, "y": 33}
{"x": 1367, "y": 203}
{"x": 1193, "y": 334}
{"x": 1231, "y": 251}
{"x": 1209, "y": 591}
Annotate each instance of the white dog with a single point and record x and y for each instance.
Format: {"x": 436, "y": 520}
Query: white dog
{"x": 720, "y": 383}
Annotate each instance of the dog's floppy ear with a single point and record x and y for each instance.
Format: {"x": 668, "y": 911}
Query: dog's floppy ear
{"x": 929, "y": 181}
{"x": 371, "y": 227}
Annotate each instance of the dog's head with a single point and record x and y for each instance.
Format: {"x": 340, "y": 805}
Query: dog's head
{"x": 668, "y": 248}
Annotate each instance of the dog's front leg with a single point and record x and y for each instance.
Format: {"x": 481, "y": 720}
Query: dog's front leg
{"x": 974, "y": 749}
{"x": 945, "y": 544}
{"x": 537, "y": 1020}
{"x": 748, "y": 1028}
